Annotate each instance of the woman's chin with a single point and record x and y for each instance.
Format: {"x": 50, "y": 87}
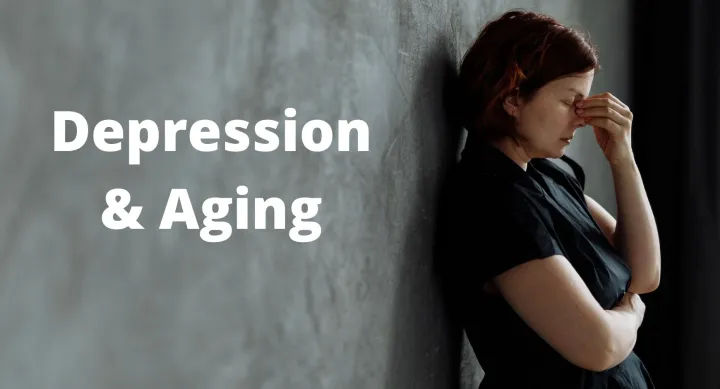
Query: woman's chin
{"x": 558, "y": 152}
{"x": 554, "y": 151}
{"x": 563, "y": 147}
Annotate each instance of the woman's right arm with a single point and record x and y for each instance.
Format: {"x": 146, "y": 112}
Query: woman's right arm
{"x": 551, "y": 297}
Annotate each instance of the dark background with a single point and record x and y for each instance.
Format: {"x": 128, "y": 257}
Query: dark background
{"x": 675, "y": 98}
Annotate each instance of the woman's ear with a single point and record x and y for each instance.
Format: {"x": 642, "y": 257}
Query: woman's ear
{"x": 511, "y": 105}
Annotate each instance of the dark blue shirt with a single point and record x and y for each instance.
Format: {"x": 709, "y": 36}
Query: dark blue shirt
{"x": 496, "y": 216}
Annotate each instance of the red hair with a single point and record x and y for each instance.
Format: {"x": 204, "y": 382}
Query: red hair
{"x": 517, "y": 54}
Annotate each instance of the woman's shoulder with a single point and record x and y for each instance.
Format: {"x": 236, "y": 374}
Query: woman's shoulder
{"x": 487, "y": 198}
{"x": 470, "y": 183}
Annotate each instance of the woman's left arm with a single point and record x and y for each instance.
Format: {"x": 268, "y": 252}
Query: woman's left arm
{"x": 635, "y": 233}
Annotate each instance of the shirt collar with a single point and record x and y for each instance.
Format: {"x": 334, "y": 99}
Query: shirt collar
{"x": 485, "y": 159}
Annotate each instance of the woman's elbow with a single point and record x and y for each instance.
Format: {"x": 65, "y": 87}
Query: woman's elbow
{"x": 598, "y": 353}
{"x": 597, "y": 362}
{"x": 643, "y": 285}
{"x": 654, "y": 283}
{"x": 603, "y": 358}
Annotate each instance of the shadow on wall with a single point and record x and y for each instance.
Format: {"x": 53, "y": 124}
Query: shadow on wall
{"x": 426, "y": 341}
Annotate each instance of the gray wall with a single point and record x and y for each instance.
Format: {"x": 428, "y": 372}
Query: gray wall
{"x": 82, "y": 306}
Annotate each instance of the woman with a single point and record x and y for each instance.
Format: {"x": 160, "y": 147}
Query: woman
{"x": 547, "y": 283}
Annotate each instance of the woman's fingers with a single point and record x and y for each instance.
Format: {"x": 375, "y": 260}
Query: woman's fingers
{"x": 603, "y": 112}
{"x": 607, "y": 99}
{"x": 615, "y": 99}
{"x": 605, "y": 123}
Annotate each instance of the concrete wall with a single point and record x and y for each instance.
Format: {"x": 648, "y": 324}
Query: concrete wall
{"x": 83, "y": 306}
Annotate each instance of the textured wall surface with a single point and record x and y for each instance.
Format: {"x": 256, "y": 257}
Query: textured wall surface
{"x": 82, "y": 306}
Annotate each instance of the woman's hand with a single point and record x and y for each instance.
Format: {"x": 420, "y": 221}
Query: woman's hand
{"x": 611, "y": 120}
{"x": 631, "y": 302}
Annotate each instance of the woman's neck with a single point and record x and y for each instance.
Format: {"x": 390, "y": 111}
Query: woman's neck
{"x": 513, "y": 150}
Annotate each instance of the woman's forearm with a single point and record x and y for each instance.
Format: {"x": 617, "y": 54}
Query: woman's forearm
{"x": 636, "y": 235}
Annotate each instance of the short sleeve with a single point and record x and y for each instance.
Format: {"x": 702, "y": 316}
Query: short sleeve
{"x": 499, "y": 231}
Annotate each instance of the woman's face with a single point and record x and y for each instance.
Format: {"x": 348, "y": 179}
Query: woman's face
{"x": 548, "y": 122}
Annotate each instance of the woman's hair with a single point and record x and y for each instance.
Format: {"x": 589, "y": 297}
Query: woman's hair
{"x": 517, "y": 54}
